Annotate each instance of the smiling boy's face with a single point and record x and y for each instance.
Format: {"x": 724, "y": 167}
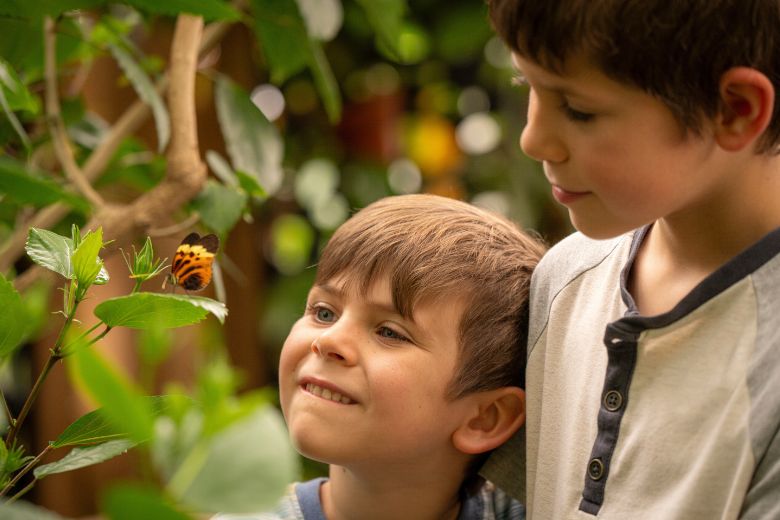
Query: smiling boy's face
{"x": 361, "y": 385}
{"x": 615, "y": 155}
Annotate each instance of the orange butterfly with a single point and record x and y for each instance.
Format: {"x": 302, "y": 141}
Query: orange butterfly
{"x": 191, "y": 267}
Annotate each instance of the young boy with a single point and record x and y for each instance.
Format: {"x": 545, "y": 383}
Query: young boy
{"x": 654, "y": 345}
{"x": 407, "y": 364}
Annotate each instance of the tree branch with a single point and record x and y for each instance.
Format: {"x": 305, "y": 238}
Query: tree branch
{"x": 128, "y": 122}
{"x": 62, "y": 145}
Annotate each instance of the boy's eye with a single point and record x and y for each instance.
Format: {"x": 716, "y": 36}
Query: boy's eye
{"x": 576, "y": 115}
{"x": 324, "y": 314}
{"x": 321, "y": 313}
{"x": 388, "y": 333}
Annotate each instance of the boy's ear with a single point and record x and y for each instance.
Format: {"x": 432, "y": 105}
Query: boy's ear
{"x": 747, "y": 101}
{"x": 497, "y": 415}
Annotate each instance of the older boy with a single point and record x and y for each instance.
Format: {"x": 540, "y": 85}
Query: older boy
{"x": 654, "y": 354}
{"x": 407, "y": 364}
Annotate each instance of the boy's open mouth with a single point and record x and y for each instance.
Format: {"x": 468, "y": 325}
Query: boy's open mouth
{"x": 327, "y": 394}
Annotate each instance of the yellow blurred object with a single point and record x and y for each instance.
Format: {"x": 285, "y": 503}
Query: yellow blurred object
{"x": 447, "y": 187}
{"x": 430, "y": 142}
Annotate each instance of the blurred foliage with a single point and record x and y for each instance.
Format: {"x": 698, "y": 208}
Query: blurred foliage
{"x": 354, "y": 100}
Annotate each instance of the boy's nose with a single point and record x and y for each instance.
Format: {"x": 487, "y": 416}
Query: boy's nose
{"x": 334, "y": 346}
{"x": 539, "y": 139}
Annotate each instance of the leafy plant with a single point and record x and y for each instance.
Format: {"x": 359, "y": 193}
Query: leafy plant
{"x": 208, "y": 449}
{"x": 190, "y": 443}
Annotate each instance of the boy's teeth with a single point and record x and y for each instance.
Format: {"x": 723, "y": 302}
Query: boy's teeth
{"x": 327, "y": 394}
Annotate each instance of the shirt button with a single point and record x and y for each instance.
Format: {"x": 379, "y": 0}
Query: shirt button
{"x": 595, "y": 469}
{"x": 613, "y": 400}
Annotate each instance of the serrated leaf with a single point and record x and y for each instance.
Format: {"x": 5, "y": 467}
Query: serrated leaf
{"x": 253, "y": 143}
{"x": 28, "y": 188}
{"x": 147, "y": 92}
{"x": 86, "y": 262}
{"x": 82, "y": 457}
{"x": 122, "y": 402}
{"x": 94, "y": 427}
{"x": 143, "y": 309}
{"x": 219, "y": 206}
{"x": 131, "y": 502}
{"x": 208, "y": 9}
{"x": 50, "y": 250}
{"x": 12, "y": 318}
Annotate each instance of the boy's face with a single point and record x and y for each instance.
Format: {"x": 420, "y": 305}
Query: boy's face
{"x": 359, "y": 384}
{"x": 614, "y": 155}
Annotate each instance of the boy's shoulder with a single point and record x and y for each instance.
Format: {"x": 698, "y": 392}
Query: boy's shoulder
{"x": 574, "y": 256}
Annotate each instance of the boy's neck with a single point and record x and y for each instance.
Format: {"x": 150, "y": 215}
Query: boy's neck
{"x": 381, "y": 495}
{"x": 683, "y": 249}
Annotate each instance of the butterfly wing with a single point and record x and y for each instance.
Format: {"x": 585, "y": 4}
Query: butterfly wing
{"x": 191, "y": 267}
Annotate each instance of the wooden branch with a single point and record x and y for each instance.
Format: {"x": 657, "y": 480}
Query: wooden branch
{"x": 128, "y": 122}
{"x": 62, "y": 145}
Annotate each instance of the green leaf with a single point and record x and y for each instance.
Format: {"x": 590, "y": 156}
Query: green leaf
{"x": 28, "y": 188}
{"x": 86, "y": 262}
{"x": 143, "y": 309}
{"x": 12, "y": 318}
{"x": 94, "y": 427}
{"x": 289, "y": 48}
{"x": 50, "y": 250}
{"x": 131, "y": 502}
{"x": 386, "y": 17}
{"x": 221, "y": 168}
{"x": 82, "y": 457}
{"x": 220, "y": 206}
{"x": 253, "y": 143}
{"x": 16, "y": 93}
{"x": 282, "y": 35}
{"x": 223, "y": 477}
{"x": 325, "y": 82}
{"x": 21, "y": 510}
{"x": 208, "y": 9}
{"x": 250, "y": 185}
{"x": 146, "y": 91}
{"x": 123, "y": 404}
{"x": 41, "y": 8}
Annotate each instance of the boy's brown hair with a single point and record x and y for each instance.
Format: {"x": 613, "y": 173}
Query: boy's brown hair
{"x": 676, "y": 51}
{"x": 431, "y": 248}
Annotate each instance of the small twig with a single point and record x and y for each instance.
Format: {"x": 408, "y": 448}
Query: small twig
{"x": 22, "y": 472}
{"x": 175, "y": 228}
{"x": 21, "y": 493}
{"x": 62, "y": 145}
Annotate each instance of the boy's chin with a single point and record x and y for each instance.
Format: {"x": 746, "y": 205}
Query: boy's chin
{"x": 600, "y": 230}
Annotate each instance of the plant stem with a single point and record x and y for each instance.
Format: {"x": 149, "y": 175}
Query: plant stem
{"x": 54, "y": 356}
{"x": 27, "y": 488}
{"x": 5, "y": 407}
{"x": 22, "y": 472}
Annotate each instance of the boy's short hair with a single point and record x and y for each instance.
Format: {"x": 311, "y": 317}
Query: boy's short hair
{"x": 676, "y": 51}
{"x": 431, "y": 247}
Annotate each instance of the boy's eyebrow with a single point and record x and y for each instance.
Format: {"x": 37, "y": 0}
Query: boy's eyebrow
{"x": 340, "y": 293}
